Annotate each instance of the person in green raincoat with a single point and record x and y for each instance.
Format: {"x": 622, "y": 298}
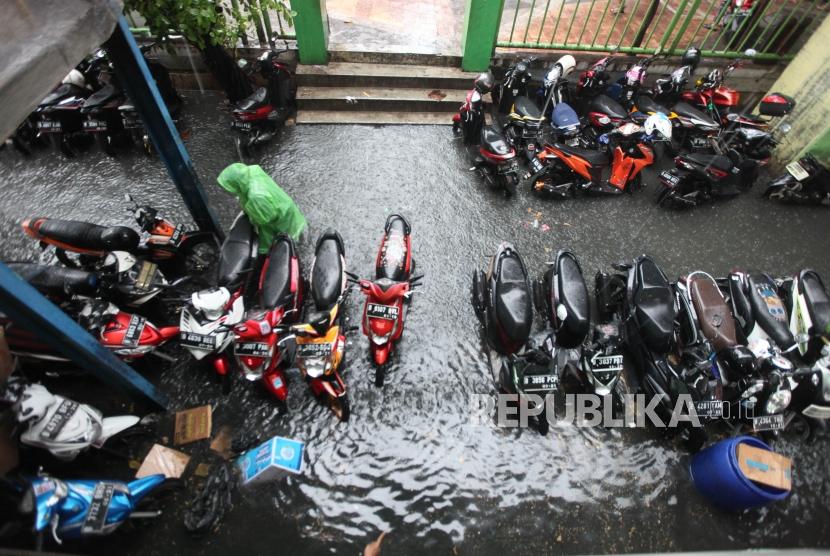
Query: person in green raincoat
{"x": 270, "y": 209}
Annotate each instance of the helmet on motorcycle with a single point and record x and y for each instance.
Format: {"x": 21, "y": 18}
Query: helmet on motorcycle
{"x": 76, "y": 78}
{"x": 33, "y": 403}
{"x": 658, "y": 123}
{"x": 736, "y": 362}
{"x": 714, "y": 78}
{"x": 567, "y": 63}
{"x": 484, "y": 82}
{"x": 691, "y": 57}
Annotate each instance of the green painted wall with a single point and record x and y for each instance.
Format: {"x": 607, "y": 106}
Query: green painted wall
{"x": 312, "y": 28}
{"x": 807, "y": 79}
{"x": 481, "y": 28}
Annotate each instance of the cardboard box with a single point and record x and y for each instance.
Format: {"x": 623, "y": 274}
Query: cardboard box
{"x": 167, "y": 461}
{"x": 765, "y": 467}
{"x": 192, "y": 425}
{"x": 271, "y": 460}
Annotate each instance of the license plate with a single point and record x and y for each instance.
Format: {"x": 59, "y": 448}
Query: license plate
{"x": 669, "y": 177}
{"x": 244, "y": 126}
{"x": 146, "y": 275}
{"x": 48, "y": 125}
{"x": 768, "y": 423}
{"x": 309, "y": 351}
{"x": 176, "y": 236}
{"x": 540, "y": 383}
{"x": 252, "y": 349}
{"x": 376, "y": 311}
{"x": 96, "y": 517}
{"x": 131, "y": 123}
{"x": 698, "y": 141}
{"x": 536, "y": 166}
{"x": 711, "y": 409}
{"x": 58, "y": 420}
{"x": 95, "y": 125}
{"x": 134, "y": 330}
{"x": 797, "y": 171}
{"x": 817, "y": 411}
{"x": 202, "y": 342}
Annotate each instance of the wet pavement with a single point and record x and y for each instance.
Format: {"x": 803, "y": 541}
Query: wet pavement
{"x": 411, "y": 460}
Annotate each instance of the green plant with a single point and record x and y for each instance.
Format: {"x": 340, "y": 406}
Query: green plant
{"x": 205, "y": 22}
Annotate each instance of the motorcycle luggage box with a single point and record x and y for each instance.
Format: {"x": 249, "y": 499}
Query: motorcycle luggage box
{"x": 567, "y": 301}
{"x": 768, "y": 309}
{"x": 653, "y": 306}
{"x": 776, "y": 104}
{"x": 716, "y": 321}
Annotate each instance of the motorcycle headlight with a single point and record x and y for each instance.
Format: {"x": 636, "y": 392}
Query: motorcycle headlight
{"x": 381, "y": 340}
{"x": 315, "y": 367}
{"x": 778, "y": 401}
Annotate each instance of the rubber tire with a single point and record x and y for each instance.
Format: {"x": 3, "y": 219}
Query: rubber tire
{"x": 542, "y": 418}
{"x": 346, "y": 411}
{"x": 227, "y": 381}
{"x": 694, "y": 438}
{"x": 380, "y": 375}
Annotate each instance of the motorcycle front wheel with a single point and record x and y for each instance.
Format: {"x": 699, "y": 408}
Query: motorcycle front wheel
{"x": 340, "y": 407}
{"x": 509, "y": 182}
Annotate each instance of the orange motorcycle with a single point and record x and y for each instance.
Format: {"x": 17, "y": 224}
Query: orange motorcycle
{"x": 561, "y": 171}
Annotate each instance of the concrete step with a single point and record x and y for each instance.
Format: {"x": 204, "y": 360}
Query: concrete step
{"x": 350, "y": 74}
{"x": 372, "y": 118}
{"x": 447, "y": 60}
{"x": 381, "y": 99}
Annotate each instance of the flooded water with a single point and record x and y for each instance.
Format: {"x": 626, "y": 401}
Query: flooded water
{"x": 411, "y": 460}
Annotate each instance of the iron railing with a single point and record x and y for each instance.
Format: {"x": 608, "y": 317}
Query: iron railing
{"x": 776, "y": 29}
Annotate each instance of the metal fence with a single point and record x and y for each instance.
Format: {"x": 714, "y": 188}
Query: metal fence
{"x": 776, "y": 29}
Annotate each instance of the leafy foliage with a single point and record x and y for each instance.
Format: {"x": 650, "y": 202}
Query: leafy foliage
{"x": 205, "y": 22}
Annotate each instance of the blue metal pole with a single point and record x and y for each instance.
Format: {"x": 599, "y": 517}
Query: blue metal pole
{"x": 28, "y": 308}
{"x": 133, "y": 74}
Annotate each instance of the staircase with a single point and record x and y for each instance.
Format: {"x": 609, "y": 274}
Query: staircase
{"x": 404, "y": 89}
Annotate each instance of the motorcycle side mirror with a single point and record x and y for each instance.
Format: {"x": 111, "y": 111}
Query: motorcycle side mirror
{"x": 750, "y": 52}
{"x": 785, "y": 128}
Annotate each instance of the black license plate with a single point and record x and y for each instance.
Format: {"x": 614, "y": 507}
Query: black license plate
{"x": 309, "y": 351}
{"x": 95, "y": 125}
{"x": 377, "y": 311}
{"x": 49, "y": 125}
{"x": 201, "y": 342}
{"x": 536, "y": 166}
{"x": 176, "y": 236}
{"x": 252, "y": 349}
{"x": 96, "y": 518}
{"x": 709, "y": 409}
{"x": 768, "y": 422}
{"x": 540, "y": 383}
{"x": 130, "y": 123}
{"x": 55, "y": 425}
{"x": 133, "y": 335}
{"x": 669, "y": 177}
{"x": 242, "y": 126}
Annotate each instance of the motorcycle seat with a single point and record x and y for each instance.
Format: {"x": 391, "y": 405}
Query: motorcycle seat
{"x": 276, "y": 280}
{"x": 768, "y": 309}
{"x": 100, "y": 98}
{"x": 526, "y": 108}
{"x": 391, "y": 263}
{"x": 573, "y": 297}
{"x": 63, "y": 91}
{"x": 649, "y": 105}
{"x": 255, "y": 100}
{"x": 654, "y": 308}
{"x": 513, "y": 304}
{"x": 327, "y": 272}
{"x": 83, "y": 235}
{"x": 236, "y": 258}
{"x": 493, "y": 140}
{"x": 716, "y": 321}
{"x": 688, "y": 111}
{"x": 718, "y": 161}
{"x": 58, "y": 280}
{"x": 595, "y": 158}
{"x": 818, "y": 302}
{"x": 609, "y": 106}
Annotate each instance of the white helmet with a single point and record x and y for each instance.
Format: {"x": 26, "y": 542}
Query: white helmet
{"x": 567, "y": 64}
{"x": 76, "y": 78}
{"x": 660, "y": 123}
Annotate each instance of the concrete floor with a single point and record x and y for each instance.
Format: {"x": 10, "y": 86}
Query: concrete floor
{"x": 410, "y": 461}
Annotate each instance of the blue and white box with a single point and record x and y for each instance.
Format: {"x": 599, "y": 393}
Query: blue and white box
{"x": 271, "y": 460}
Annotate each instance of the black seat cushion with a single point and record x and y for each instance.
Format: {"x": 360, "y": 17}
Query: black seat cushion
{"x": 276, "y": 283}
{"x": 493, "y": 140}
{"x": 718, "y": 161}
{"x": 818, "y": 303}
{"x": 688, "y": 111}
{"x": 236, "y": 259}
{"x": 63, "y": 91}
{"x": 608, "y": 106}
{"x": 391, "y": 263}
{"x": 86, "y": 236}
{"x": 526, "y": 108}
{"x": 100, "y": 97}
{"x": 257, "y": 99}
{"x": 653, "y": 305}
{"x": 596, "y": 158}
{"x": 327, "y": 274}
{"x": 649, "y": 105}
{"x": 768, "y": 309}
{"x": 573, "y": 295}
{"x": 513, "y": 303}
{"x": 58, "y": 280}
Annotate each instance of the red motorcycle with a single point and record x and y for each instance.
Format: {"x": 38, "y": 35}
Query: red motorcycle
{"x": 388, "y": 296}
{"x": 258, "y": 347}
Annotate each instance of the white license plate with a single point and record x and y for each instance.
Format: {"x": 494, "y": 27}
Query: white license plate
{"x": 669, "y": 177}
{"x": 377, "y": 311}
{"x": 817, "y": 411}
{"x": 540, "y": 383}
{"x": 202, "y": 342}
{"x": 768, "y": 423}
{"x": 252, "y": 349}
{"x": 48, "y": 125}
{"x": 309, "y": 351}
{"x": 797, "y": 171}
{"x": 244, "y": 126}
{"x": 710, "y": 409}
{"x": 95, "y": 125}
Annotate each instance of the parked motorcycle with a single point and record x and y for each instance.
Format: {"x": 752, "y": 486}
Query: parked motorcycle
{"x": 561, "y": 171}
{"x": 806, "y": 181}
{"x": 321, "y": 339}
{"x": 208, "y": 319}
{"x": 389, "y": 295}
{"x": 516, "y": 84}
{"x": 469, "y": 120}
{"x": 262, "y": 353}
{"x": 497, "y": 163}
{"x": 258, "y": 116}
{"x": 555, "y": 97}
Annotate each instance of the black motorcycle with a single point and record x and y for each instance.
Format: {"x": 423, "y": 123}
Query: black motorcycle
{"x": 806, "y": 181}
{"x": 496, "y": 162}
{"x": 515, "y": 84}
{"x": 700, "y": 177}
{"x": 469, "y": 120}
